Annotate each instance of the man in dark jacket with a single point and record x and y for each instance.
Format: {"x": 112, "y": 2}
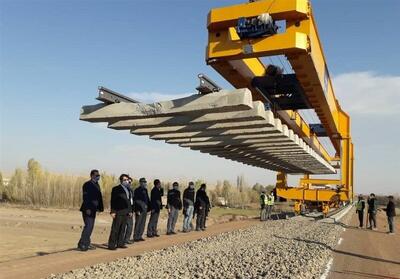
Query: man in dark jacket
{"x": 372, "y": 209}
{"x": 188, "y": 207}
{"x": 174, "y": 204}
{"x": 390, "y": 213}
{"x": 92, "y": 203}
{"x": 156, "y": 206}
{"x": 142, "y": 206}
{"x": 129, "y": 222}
{"x": 360, "y": 206}
{"x": 202, "y": 207}
{"x": 121, "y": 209}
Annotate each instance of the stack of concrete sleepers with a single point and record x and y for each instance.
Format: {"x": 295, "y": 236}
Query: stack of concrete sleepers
{"x": 226, "y": 124}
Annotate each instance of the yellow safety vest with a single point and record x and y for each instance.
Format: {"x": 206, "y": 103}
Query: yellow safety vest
{"x": 270, "y": 200}
{"x": 263, "y": 199}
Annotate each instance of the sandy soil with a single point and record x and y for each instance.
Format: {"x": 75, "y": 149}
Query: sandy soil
{"x": 48, "y": 232}
{"x": 35, "y": 232}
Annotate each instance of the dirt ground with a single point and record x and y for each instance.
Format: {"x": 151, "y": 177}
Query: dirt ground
{"x": 36, "y": 232}
{"x": 38, "y": 243}
{"x": 363, "y": 253}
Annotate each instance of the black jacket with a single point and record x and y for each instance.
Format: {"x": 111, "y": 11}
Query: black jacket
{"x": 188, "y": 197}
{"x": 174, "y": 199}
{"x": 92, "y": 198}
{"x": 390, "y": 209}
{"x": 141, "y": 200}
{"x": 155, "y": 199}
{"x": 202, "y": 200}
{"x": 372, "y": 205}
{"x": 120, "y": 202}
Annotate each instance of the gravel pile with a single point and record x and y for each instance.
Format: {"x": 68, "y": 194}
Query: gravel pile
{"x": 294, "y": 248}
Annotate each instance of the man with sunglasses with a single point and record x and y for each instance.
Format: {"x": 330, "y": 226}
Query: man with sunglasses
{"x": 121, "y": 210}
{"x": 92, "y": 203}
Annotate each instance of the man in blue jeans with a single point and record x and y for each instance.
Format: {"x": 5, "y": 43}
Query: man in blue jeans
{"x": 92, "y": 203}
{"x": 174, "y": 204}
{"x": 188, "y": 207}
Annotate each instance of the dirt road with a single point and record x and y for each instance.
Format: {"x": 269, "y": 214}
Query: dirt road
{"x": 364, "y": 253}
{"x": 39, "y": 267}
{"x": 28, "y": 232}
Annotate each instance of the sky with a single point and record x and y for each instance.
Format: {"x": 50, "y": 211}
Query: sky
{"x": 54, "y": 54}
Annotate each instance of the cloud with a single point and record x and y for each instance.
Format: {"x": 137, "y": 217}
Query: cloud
{"x": 367, "y": 93}
{"x": 149, "y": 97}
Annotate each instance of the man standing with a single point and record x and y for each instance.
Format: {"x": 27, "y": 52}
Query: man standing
{"x": 174, "y": 204}
{"x": 263, "y": 205}
{"x": 360, "y": 206}
{"x": 270, "y": 204}
{"x": 390, "y": 213}
{"x": 202, "y": 206}
{"x": 156, "y": 206}
{"x": 92, "y": 202}
{"x": 188, "y": 207}
{"x": 372, "y": 208}
{"x": 121, "y": 210}
{"x": 129, "y": 222}
{"x": 142, "y": 206}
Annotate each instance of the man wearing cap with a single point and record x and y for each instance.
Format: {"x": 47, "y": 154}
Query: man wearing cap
{"x": 174, "y": 204}
{"x": 121, "y": 209}
{"x": 129, "y": 222}
{"x": 390, "y": 213}
{"x": 188, "y": 207}
{"x": 156, "y": 205}
{"x": 360, "y": 206}
{"x": 141, "y": 203}
{"x": 92, "y": 203}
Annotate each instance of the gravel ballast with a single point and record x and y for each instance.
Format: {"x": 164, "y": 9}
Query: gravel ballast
{"x": 293, "y": 248}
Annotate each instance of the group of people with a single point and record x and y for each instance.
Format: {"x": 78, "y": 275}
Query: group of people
{"x": 266, "y": 203}
{"x": 128, "y": 204}
{"x": 373, "y": 210}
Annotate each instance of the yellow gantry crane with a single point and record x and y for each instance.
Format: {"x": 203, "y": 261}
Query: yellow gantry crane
{"x": 260, "y": 123}
{"x": 241, "y": 38}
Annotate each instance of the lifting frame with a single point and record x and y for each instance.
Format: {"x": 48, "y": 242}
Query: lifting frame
{"x": 238, "y": 61}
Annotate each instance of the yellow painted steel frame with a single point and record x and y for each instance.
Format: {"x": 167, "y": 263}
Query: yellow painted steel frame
{"x": 238, "y": 62}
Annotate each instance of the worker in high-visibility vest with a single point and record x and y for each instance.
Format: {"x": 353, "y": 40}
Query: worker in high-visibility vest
{"x": 360, "y": 206}
{"x": 270, "y": 204}
{"x": 263, "y": 206}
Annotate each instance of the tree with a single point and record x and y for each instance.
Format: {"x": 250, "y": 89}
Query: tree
{"x": 34, "y": 177}
{"x": 258, "y": 187}
{"x": 16, "y": 186}
{"x": 198, "y": 183}
{"x": 226, "y": 189}
{"x": 218, "y": 188}
{"x": 2, "y": 189}
{"x": 240, "y": 183}
{"x": 269, "y": 188}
